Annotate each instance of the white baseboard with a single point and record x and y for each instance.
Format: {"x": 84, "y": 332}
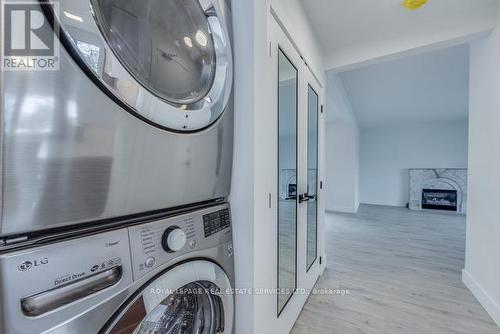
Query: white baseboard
{"x": 379, "y": 203}
{"x": 489, "y": 304}
{"x": 344, "y": 209}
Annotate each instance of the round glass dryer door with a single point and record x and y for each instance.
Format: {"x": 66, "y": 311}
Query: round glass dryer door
{"x": 188, "y": 299}
{"x": 168, "y": 62}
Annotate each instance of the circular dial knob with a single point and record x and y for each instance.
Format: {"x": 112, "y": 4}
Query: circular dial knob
{"x": 173, "y": 239}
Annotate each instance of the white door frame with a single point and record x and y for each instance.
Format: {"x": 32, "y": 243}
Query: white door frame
{"x": 279, "y": 40}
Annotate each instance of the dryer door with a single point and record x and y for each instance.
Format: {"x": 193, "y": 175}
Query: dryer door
{"x": 168, "y": 62}
{"x": 190, "y": 298}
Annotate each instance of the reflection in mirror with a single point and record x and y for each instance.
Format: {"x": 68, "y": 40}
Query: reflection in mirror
{"x": 90, "y": 53}
{"x": 287, "y": 179}
{"x": 312, "y": 176}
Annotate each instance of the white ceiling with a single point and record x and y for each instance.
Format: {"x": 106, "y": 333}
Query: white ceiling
{"x": 355, "y": 31}
{"x": 430, "y": 87}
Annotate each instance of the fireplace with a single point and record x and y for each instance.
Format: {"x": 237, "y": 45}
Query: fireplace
{"x": 438, "y": 188}
{"x": 439, "y": 199}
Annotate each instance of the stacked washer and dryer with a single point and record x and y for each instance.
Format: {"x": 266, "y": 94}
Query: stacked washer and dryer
{"x": 115, "y": 171}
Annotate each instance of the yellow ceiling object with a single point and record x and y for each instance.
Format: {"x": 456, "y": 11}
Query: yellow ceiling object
{"x": 414, "y": 4}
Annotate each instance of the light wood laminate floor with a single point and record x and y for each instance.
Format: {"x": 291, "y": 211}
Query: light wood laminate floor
{"x": 403, "y": 272}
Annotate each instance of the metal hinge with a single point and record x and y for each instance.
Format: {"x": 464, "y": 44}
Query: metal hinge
{"x": 320, "y": 184}
{"x": 321, "y": 108}
{"x": 320, "y": 260}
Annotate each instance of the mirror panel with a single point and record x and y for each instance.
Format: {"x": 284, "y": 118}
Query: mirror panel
{"x": 312, "y": 176}
{"x": 287, "y": 179}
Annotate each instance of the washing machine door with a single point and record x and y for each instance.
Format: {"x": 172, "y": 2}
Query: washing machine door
{"x": 167, "y": 62}
{"x": 190, "y": 298}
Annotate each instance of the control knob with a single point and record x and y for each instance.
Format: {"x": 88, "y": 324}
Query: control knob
{"x": 173, "y": 239}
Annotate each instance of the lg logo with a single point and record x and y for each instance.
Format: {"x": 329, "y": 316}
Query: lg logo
{"x": 30, "y": 42}
{"x": 27, "y": 265}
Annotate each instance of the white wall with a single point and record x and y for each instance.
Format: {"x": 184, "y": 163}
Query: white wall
{"x": 342, "y": 150}
{"x": 242, "y": 186}
{"x": 254, "y": 225}
{"x": 482, "y": 269}
{"x": 388, "y": 152}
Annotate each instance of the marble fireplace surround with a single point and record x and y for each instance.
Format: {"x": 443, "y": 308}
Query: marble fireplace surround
{"x": 438, "y": 178}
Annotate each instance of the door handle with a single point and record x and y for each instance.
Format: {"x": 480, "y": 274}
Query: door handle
{"x": 303, "y": 198}
{"x": 306, "y": 197}
{"x": 289, "y": 198}
{"x": 311, "y": 197}
{"x": 50, "y": 300}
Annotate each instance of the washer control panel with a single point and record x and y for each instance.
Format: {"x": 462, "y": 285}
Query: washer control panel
{"x": 156, "y": 243}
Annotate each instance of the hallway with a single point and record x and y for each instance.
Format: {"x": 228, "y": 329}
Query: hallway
{"x": 403, "y": 272}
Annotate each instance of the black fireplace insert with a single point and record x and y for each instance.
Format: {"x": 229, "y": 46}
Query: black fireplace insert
{"x": 439, "y": 199}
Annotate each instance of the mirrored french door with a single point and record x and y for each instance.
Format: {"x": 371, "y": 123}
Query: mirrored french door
{"x": 311, "y": 177}
{"x": 288, "y": 84}
{"x": 297, "y": 161}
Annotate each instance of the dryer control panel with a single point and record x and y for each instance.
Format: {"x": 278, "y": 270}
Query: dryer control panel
{"x": 159, "y": 242}
{"x": 215, "y": 222}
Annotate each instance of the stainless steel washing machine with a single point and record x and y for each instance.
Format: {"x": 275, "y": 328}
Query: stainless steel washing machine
{"x": 138, "y": 118}
{"x": 172, "y": 275}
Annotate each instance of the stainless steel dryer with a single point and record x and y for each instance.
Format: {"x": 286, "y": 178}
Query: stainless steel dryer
{"x": 172, "y": 275}
{"x": 138, "y": 118}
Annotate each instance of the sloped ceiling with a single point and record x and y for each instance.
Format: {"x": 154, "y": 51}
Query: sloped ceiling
{"x": 430, "y": 87}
